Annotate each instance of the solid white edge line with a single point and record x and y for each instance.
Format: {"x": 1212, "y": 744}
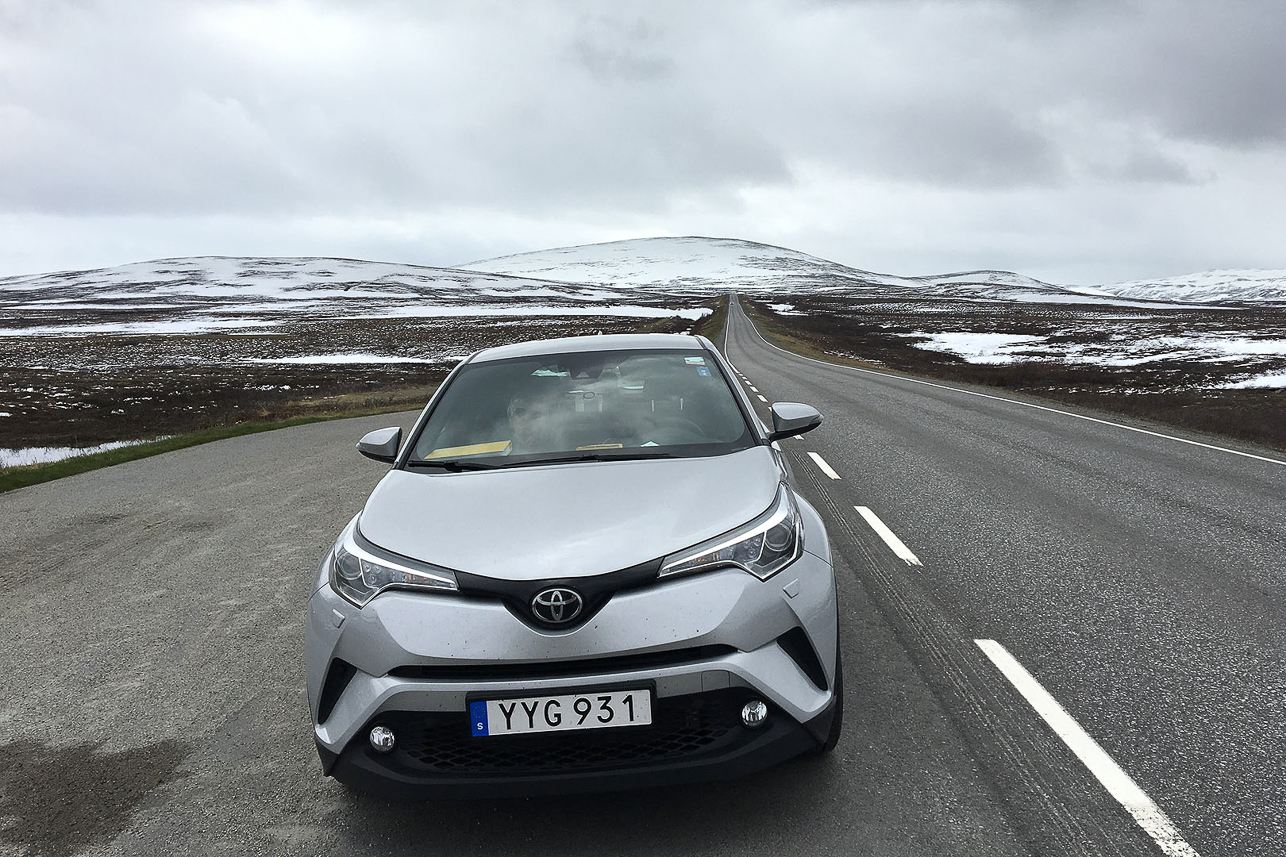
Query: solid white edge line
{"x": 1118, "y": 783}
{"x": 890, "y": 538}
{"x": 821, "y": 463}
{"x": 1017, "y": 402}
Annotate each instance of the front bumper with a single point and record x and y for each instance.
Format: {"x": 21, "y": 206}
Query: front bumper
{"x": 705, "y": 644}
{"x": 694, "y": 738}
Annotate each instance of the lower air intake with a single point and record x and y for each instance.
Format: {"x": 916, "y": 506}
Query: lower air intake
{"x": 682, "y": 727}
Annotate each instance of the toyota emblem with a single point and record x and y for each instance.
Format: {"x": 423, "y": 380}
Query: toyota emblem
{"x": 557, "y": 605}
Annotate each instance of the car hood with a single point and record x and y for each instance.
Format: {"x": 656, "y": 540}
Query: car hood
{"x": 567, "y": 520}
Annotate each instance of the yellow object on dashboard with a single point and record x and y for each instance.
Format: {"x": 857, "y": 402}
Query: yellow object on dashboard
{"x": 499, "y": 447}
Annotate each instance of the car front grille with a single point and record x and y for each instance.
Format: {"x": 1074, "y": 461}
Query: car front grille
{"x": 682, "y": 727}
{"x": 555, "y": 669}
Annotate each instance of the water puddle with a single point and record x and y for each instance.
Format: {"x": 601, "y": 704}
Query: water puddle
{"x": 55, "y": 801}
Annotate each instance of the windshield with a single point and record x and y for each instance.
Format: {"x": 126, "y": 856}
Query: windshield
{"x": 583, "y": 406}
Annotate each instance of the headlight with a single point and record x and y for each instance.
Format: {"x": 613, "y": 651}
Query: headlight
{"x": 762, "y": 547}
{"x": 358, "y": 574}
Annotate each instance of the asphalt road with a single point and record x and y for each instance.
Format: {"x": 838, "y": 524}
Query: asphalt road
{"x": 152, "y": 690}
{"x": 1140, "y": 579}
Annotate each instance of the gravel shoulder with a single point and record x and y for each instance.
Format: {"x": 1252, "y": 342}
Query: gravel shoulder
{"x": 153, "y": 692}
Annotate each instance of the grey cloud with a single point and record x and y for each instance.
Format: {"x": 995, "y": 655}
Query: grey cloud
{"x": 661, "y": 116}
{"x": 1217, "y": 73}
{"x": 1147, "y": 166}
{"x": 173, "y": 118}
{"x": 962, "y": 145}
{"x": 614, "y": 49}
{"x": 1206, "y": 72}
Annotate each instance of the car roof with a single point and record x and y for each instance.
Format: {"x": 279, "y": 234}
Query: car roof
{"x": 576, "y": 344}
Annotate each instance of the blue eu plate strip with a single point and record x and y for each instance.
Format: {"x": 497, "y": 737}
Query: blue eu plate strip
{"x": 478, "y": 718}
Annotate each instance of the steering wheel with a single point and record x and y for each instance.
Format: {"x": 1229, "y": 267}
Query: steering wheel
{"x": 669, "y": 425}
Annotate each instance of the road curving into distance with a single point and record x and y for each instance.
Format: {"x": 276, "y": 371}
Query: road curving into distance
{"x": 152, "y": 690}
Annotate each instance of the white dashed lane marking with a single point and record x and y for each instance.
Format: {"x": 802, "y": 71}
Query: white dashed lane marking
{"x": 1118, "y": 783}
{"x": 890, "y": 538}
{"x": 821, "y": 463}
{"x": 762, "y": 399}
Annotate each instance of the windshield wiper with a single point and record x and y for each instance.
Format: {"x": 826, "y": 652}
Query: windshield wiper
{"x": 457, "y": 466}
{"x": 593, "y": 456}
{"x": 452, "y": 465}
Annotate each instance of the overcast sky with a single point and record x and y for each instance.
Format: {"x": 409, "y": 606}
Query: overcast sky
{"x": 1078, "y": 141}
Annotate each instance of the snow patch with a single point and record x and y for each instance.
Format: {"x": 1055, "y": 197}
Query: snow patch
{"x": 46, "y": 454}
{"x": 1275, "y": 380}
{"x": 977, "y": 347}
{"x": 173, "y": 327}
{"x": 530, "y": 310}
{"x": 351, "y": 358}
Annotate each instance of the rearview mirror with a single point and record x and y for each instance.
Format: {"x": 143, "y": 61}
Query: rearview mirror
{"x": 381, "y": 444}
{"x": 792, "y": 418}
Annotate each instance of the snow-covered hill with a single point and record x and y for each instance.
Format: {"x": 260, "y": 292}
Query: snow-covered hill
{"x": 1209, "y": 287}
{"x": 673, "y": 263}
{"x": 194, "y": 295}
{"x": 634, "y": 277}
{"x": 724, "y": 264}
{"x": 692, "y": 263}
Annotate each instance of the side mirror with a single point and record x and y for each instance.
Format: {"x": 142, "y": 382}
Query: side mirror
{"x": 792, "y": 418}
{"x": 381, "y": 444}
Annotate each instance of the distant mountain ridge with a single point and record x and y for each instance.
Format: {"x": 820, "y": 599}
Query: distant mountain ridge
{"x": 1266, "y": 286}
{"x": 616, "y": 272}
{"x": 725, "y": 263}
{"x": 228, "y": 294}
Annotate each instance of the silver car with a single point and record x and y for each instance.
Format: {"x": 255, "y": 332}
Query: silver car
{"x": 586, "y": 569}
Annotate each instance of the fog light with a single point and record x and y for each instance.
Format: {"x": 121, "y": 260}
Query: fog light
{"x": 753, "y": 714}
{"x": 382, "y": 739}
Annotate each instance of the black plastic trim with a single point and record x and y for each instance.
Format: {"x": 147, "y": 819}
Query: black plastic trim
{"x": 338, "y": 675}
{"x": 796, "y": 644}
{"x": 596, "y": 590}
{"x": 781, "y": 739}
{"x": 541, "y": 670}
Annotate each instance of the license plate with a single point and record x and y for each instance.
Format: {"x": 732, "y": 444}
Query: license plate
{"x": 606, "y": 710}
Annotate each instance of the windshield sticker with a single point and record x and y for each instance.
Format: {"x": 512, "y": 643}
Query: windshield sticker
{"x": 500, "y": 447}
{"x": 703, "y": 371}
{"x": 695, "y": 361}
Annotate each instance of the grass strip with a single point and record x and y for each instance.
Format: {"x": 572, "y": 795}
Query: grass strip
{"x": 34, "y": 474}
{"x": 711, "y": 326}
{"x": 785, "y": 339}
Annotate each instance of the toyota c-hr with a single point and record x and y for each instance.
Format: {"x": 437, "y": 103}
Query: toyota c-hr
{"x": 586, "y": 569}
